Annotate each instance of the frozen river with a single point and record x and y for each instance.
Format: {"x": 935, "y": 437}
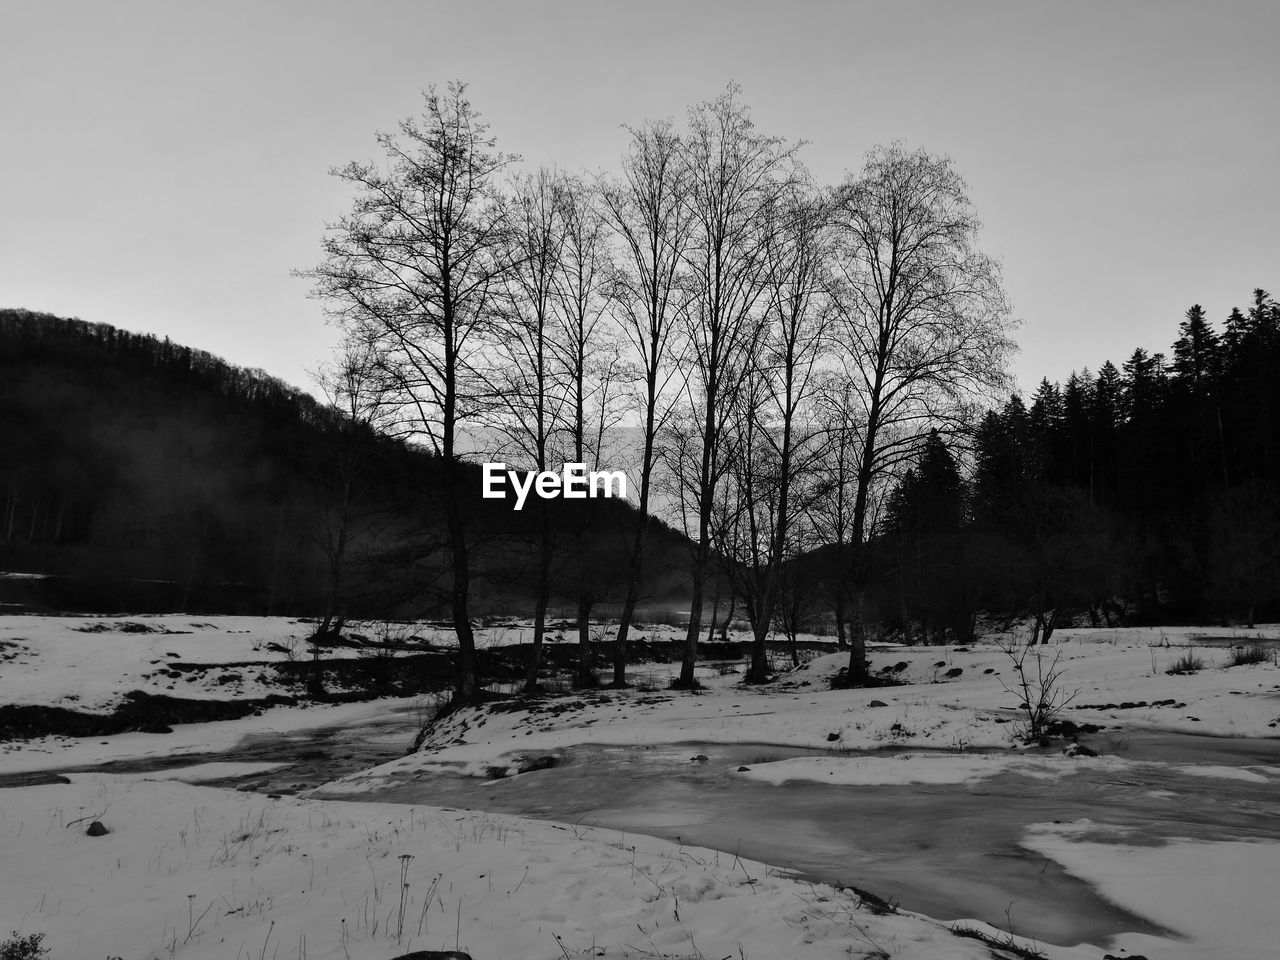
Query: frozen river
{"x": 947, "y": 850}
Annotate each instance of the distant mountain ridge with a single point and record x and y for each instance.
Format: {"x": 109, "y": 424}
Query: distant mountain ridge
{"x": 125, "y": 457}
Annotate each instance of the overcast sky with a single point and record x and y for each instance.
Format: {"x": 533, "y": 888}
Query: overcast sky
{"x": 164, "y": 164}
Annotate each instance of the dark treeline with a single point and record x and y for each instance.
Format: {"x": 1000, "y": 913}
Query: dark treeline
{"x": 128, "y": 457}
{"x": 1148, "y": 492}
{"x": 139, "y": 468}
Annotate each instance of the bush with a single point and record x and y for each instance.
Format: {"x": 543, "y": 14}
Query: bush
{"x": 1187, "y": 663}
{"x": 1254, "y": 653}
{"x": 30, "y": 947}
{"x": 1002, "y": 942}
{"x": 1040, "y": 689}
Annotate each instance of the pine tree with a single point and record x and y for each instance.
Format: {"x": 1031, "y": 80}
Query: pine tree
{"x": 1076, "y": 442}
{"x": 924, "y": 521}
{"x": 1235, "y": 337}
{"x": 1007, "y": 457}
{"x": 1105, "y": 406}
{"x": 1196, "y": 352}
{"x": 1140, "y": 387}
{"x": 1255, "y": 386}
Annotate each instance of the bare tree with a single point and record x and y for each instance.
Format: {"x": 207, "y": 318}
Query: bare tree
{"x": 413, "y": 270}
{"x": 527, "y": 382}
{"x": 350, "y": 385}
{"x": 1040, "y": 691}
{"x": 735, "y": 176}
{"x": 798, "y": 312}
{"x": 800, "y": 603}
{"x": 744, "y": 508}
{"x": 590, "y": 356}
{"x": 343, "y": 475}
{"x": 925, "y": 322}
{"x": 646, "y": 208}
{"x": 829, "y": 509}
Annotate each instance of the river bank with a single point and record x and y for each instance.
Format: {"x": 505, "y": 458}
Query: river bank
{"x": 913, "y": 792}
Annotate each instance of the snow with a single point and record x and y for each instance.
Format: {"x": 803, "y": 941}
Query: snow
{"x": 217, "y": 770}
{"x": 922, "y": 768}
{"x": 1221, "y": 895}
{"x": 972, "y": 711}
{"x": 1247, "y": 774}
{"x": 193, "y": 872}
{"x": 196, "y": 871}
{"x": 56, "y": 753}
{"x": 89, "y": 663}
{"x": 935, "y": 768}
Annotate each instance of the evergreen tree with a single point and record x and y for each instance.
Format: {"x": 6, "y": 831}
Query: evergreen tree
{"x": 1076, "y": 444}
{"x": 1008, "y": 456}
{"x": 924, "y": 520}
{"x": 1235, "y": 337}
{"x": 1140, "y": 387}
{"x": 1196, "y": 352}
{"x": 1105, "y": 415}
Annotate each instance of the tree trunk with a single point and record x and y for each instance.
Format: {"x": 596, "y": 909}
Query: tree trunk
{"x": 706, "y": 494}
{"x": 585, "y": 677}
{"x": 620, "y": 644}
{"x": 759, "y": 671}
{"x": 1050, "y": 622}
{"x": 540, "y": 605}
{"x": 642, "y": 530}
{"x": 466, "y": 688}
{"x": 686, "y": 680}
{"x": 857, "y": 673}
{"x": 702, "y": 555}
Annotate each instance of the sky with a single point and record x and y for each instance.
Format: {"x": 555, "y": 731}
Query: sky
{"x": 164, "y": 165}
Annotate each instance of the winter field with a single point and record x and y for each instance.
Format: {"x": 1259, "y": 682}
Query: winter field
{"x": 209, "y": 856}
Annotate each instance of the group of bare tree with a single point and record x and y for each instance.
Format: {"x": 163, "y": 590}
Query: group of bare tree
{"x": 776, "y": 349}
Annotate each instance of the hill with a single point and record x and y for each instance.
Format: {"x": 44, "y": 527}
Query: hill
{"x": 140, "y": 474}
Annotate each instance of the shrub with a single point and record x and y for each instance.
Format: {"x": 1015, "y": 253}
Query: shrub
{"x": 1001, "y": 942}
{"x": 1254, "y": 653}
{"x": 1187, "y": 663}
{"x": 30, "y": 947}
{"x": 1040, "y": 689}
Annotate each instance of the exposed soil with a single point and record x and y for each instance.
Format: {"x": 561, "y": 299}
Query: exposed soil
{"x": 140, "y": 712}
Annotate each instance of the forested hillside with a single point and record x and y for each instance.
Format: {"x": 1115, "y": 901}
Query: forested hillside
{"x": 1149, "y": 490}
{"x": 153, "y": 474}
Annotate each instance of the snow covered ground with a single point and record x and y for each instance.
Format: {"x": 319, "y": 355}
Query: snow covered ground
{"x": 89, "y": 663}
{"x": 198, "y": 871}
{"x": 919, "y": 768}
{"x": 1122, "y": 684}
{"x": 1220, "y": 895}
{"x": 1121, "y": 681}
{"x": 54, "y": 753}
